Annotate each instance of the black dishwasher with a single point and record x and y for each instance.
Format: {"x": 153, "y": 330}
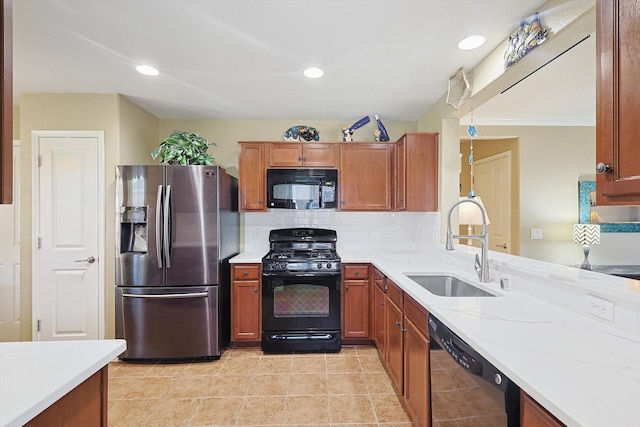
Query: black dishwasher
{"x": 466, "y": 388}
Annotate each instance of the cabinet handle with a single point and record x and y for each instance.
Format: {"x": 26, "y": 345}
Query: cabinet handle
{"x": 357, "y": 272}
{"x": 246, "y": 273}
{"x": 602, "y": 167}
{"x": 304, "y": 159}
{"x": 398, "y": 323}
{"x": 346, "y": 288}
{"x": 260, "y": 201}
{"x": 255, "y": 289}
{"x": 403, "y": 330}
{"x": 299, "y": 159}
{"x": 381, "y": 302}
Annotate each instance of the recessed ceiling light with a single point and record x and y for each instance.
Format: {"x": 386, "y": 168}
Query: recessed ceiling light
{"x": 147, "y": 70}
{"x": 471, "y": 42}
{"x": 313, "y": 72}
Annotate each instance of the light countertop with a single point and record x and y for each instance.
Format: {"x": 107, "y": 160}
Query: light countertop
{"x": 34, "y": 375}
{"x": 583, "y": 370}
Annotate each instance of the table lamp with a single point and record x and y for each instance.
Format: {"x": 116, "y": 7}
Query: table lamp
{"x": 470, "y": 214}
{"x": 586, "y": 235}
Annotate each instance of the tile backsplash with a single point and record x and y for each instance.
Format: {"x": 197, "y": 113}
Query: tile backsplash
{"x": 357, "y": 231}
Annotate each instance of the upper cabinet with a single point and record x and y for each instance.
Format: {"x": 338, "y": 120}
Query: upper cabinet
{"x": 618, "y": 85}
{"x": 252, "y": 175}
{"x": 365, "y": 176}
{"x": 416, "y": 172}
{"x": 310, "y": 155}
{"x": 372, "y": 176}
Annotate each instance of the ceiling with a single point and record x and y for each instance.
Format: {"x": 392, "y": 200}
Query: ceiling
{"x": 243, "y": 59}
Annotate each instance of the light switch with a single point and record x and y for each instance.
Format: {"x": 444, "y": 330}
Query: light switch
{"x": 536, "y": 234}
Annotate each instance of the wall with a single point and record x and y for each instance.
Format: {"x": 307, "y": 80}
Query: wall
{"x": 226, "y": 133}
{"x": 486, "y": 147}
{"x": 552, "y": 161}
{"x": 118, "y": 118}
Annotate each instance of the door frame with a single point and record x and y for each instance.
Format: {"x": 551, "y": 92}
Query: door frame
{"x": 36, "y": 135}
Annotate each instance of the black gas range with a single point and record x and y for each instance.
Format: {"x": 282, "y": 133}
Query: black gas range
{"x": 306, "y": 250}
{"x": 301, "y": 278}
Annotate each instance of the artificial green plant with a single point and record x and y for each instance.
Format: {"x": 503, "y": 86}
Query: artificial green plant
{"x": 183, "y": 148}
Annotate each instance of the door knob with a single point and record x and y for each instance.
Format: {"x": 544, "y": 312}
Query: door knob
{"x": 90, "y": 260}
{"x": 602, "y": 167}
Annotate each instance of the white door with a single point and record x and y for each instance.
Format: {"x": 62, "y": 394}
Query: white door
{"x": 10, "y": 258}
{"x": 493, "y": 183}
{"x": 68, "y": 278}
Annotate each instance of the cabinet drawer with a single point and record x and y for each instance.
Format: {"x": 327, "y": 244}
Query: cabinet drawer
{"x": 394, "y": 292}
{"x": 246, "y": 272}
{"x": 417, "y": 314}
{"x": 379, "y": 278}
{"x": 356, "y": 271}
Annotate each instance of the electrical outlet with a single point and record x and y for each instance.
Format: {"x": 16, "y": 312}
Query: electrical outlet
{"x": 599, "y": 307}
{"x": 536, "y": 234}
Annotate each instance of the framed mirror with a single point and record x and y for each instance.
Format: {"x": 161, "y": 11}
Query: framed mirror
{"x": 612, "y": 219}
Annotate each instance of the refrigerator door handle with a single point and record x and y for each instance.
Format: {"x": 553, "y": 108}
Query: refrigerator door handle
{"x": 168, "y": 296}
{"x": 158, "y": 231}
{"x": 167, "y": 220}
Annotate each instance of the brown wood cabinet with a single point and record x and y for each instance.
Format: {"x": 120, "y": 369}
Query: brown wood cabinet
{"x": 378, "y": 310}
{"x": 395, "y": 335}
{"x": 534, "y": 415}
{"x": 417, "y": 384}
{"x": 85, "y": 405}
{"x": 246, "y": 303}
{"x": 299, "y": 154}
{"x": 355, "y": 301}
{"x": 617, "y": 87}
{"x": 416, "y": 172}
{"x": 365, "y": 176}
{"x": 252, "y": 177}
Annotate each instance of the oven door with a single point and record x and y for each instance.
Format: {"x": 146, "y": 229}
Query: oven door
{"x": 301, "y": 312}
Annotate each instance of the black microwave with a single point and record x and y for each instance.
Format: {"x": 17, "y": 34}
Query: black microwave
{"x": 302, "y": 188}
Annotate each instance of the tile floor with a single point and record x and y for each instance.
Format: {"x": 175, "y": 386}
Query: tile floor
{"x": 248, "y": 388}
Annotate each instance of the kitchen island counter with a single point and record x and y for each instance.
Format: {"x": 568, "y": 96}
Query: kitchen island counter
{"x": 35, "y": 375}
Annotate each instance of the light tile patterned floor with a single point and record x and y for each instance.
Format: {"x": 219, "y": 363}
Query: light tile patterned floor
{"x": 249, "y": 388}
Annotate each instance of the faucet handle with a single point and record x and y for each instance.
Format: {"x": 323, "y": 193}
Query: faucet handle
{"x": 478, "y": 266}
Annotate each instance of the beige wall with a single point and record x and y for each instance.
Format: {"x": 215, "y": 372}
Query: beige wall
{"x": 226, "y": 133}
{"x": 118, "y": 118}
{"x": 483, "y": 148}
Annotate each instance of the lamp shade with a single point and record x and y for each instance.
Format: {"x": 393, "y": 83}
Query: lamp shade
{"x": 586, "y": 234}
{"x": 470, "y": 214}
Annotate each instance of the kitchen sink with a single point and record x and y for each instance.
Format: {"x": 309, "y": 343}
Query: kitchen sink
{"x": 447, "y": 286}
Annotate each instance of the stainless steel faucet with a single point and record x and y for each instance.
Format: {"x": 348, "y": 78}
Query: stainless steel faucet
{"x": 481, "y": 265}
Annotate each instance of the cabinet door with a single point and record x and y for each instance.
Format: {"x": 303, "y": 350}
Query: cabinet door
{"x": 417, "y": 172}
{"x": 246, "y": 303}
{"x": 394, "y": 353}
{"x": 252, "y": 174}
{"x": 365, "y": 177}
{"x": 320, "y": 155}
{"x": 534, "y": 415}
{"x": 417, "y": 387}
{"x": 617, "y": 87}
{"x": 379, "y": 320}
{"x": 355, "y": 315}
{"x": 401, "y": 174}
{"x": 282, "y": 155}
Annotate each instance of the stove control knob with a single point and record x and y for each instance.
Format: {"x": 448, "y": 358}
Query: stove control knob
{"x": 319, "y": 265}
{"x": 328, "y": 265}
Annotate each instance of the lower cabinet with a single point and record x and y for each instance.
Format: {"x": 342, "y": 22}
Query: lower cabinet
{"x": 246, "y": 304}
{"x": 395, "y": 335}
{"x": 417, "y": 384}
{"x": 534, "y": 415}
{"x": 400, "y": 332}
{"x": 355, "y": 302}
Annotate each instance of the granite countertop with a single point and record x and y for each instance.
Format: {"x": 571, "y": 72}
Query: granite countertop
{"x": 583, "y": 370}
{"x": 34, "y": 375}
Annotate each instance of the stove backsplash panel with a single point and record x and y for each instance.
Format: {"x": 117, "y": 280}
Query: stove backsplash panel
{"x": 357, "y": 231}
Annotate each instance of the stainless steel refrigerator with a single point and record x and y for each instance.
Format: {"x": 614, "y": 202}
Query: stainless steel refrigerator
{"x": 176, "y": 229}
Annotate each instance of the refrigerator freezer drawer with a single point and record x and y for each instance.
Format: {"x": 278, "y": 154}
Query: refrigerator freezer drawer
{"x": 168, "y": 323}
